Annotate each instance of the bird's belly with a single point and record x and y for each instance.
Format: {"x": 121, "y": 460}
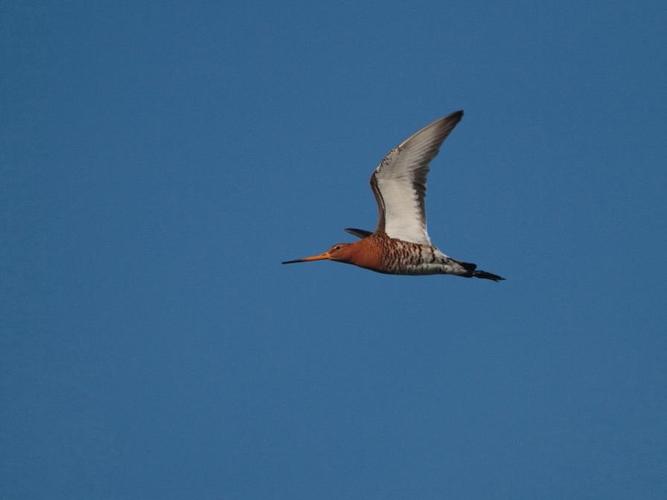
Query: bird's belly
{"x": 415, "y": 259}
{"x": 425, "y": 268}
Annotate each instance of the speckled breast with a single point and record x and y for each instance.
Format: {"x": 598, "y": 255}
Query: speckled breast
{"x": 404, "y": 257}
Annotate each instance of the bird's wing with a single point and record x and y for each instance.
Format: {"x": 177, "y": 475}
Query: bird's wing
{"x": 399, "y": 181}
{"x": 359, "y": 233}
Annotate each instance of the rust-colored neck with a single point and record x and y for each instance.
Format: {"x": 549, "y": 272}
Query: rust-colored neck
{"x": 364, "y": 253}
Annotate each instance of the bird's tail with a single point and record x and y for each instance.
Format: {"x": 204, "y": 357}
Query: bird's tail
{"x": 487, "y": 276}
{"x": 474, "y": 273}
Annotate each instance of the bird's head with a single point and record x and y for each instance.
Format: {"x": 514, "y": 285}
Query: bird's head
{"x": 341, "y": 252}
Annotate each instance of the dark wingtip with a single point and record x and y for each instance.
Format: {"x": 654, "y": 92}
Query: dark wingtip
{"x": 450, "y": 121}
{"x": 359, "y": 233}
{"x": 456, "y": 115}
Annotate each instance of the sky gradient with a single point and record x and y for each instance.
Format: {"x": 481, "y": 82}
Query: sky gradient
{"x": 159, "y": 161}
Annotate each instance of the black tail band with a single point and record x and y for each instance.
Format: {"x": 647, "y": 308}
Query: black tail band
{"x": 487, "y": 276}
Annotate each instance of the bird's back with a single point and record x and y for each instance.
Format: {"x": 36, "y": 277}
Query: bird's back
{"x": 393, "y": 256}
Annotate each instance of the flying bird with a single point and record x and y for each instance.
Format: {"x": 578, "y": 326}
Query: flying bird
{"x": 400, "y": 243}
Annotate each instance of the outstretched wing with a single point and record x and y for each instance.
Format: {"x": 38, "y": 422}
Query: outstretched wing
{"x": 359, "y": 233}
{"x": 399, "y": 181}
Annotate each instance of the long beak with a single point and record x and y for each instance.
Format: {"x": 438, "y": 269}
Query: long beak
{"x": 322, "y": 256}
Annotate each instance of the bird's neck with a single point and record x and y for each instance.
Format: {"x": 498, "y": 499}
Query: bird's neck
{"x": 364, "y": 253}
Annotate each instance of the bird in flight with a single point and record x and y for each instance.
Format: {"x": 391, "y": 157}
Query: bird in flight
{"x": 400, "y": 243}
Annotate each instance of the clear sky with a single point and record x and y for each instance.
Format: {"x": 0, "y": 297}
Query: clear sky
{"x": 159, "y": 160}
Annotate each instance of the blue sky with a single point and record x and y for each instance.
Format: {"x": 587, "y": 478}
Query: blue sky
{"x": 160, "y": 160}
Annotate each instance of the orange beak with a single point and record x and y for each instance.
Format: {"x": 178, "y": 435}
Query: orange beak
{"x": 322, "y": 256}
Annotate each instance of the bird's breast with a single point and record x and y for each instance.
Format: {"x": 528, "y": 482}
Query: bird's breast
{"x": 404, "y": 257}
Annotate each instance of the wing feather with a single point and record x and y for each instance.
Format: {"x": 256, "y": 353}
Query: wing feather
{"x": 399, "y": 181}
